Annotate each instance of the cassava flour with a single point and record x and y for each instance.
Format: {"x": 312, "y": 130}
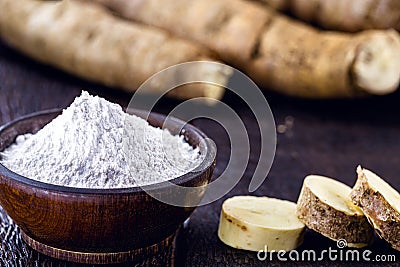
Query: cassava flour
{"x": 95, "y": 144}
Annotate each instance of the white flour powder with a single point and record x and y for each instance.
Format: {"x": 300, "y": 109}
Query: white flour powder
{"x": 83, "y": 147}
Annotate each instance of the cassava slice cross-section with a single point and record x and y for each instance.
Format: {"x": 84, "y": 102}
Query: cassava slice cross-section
{"x": 279, "y": 53}
{"x": 87, "y": 40}
{"x": 380, "y": 203}
{"x": 255, "y": 223}
{"x": 344, "y": 15}
{"x": 324, "y": 206}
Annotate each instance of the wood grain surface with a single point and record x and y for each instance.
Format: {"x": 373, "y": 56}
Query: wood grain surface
{"x": 314, "y": 137}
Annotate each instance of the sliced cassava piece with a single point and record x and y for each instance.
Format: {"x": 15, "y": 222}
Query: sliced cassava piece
{"x": 324, "y": 206}
{"x": 255, "y": 223}
{"x": 279, "y": 53}
{"x": 87, "y": 40}
{"x": 380, "y": 203}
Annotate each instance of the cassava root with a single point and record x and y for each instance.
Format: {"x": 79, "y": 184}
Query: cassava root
{"x": 277, "y": 52}
{"x": 343, "y": 15}
{"x": 87, "y": 40}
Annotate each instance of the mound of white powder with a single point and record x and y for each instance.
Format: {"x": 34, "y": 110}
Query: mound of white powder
{"x": 95, "y": 144}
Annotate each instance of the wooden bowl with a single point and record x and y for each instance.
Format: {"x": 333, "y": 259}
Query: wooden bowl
{"x": 96, "y": 225}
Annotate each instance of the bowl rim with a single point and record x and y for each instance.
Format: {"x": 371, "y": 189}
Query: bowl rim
{"x": 207, "y": 162}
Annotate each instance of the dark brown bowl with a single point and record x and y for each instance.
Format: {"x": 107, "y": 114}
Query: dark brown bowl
{"x": 97, "y": 225}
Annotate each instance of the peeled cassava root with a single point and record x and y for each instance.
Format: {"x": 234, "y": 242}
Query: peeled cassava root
{"x": 345, "y": 15}
{"x": 324, "y": 206}
{"x": 380, "y": 203}
{"x": 87, "y": 40}
{"x": 259, "y": 223}
{"x": 277, "y": 52}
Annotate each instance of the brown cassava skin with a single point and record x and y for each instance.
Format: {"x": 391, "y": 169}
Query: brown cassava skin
{"x": 228, "y": 27}
{"x": 343, "y": 15}
{"x": 280, "y": 5}
{"x": 278, "y": 53}
{"x": 330, "y": 222}
{"x": 89, "y": 41}
{"x": 301, "y": 61}
{"x": 384, "y": 218}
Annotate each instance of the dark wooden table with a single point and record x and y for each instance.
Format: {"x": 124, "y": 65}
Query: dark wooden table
{"x": 327, "y": 137}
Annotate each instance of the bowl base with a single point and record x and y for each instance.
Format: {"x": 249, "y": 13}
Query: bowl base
{"x": 163, "y": 248}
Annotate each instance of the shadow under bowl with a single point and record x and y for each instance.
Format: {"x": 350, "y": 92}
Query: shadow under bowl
{"x": 99, "y": 226}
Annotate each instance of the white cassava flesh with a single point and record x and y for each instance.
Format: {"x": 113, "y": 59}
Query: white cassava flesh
{"x": 380, "y": 203}
{"x": 375, "y": 69}
{"x": 253, "y": 223}
{"x": 324, "y": 206}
